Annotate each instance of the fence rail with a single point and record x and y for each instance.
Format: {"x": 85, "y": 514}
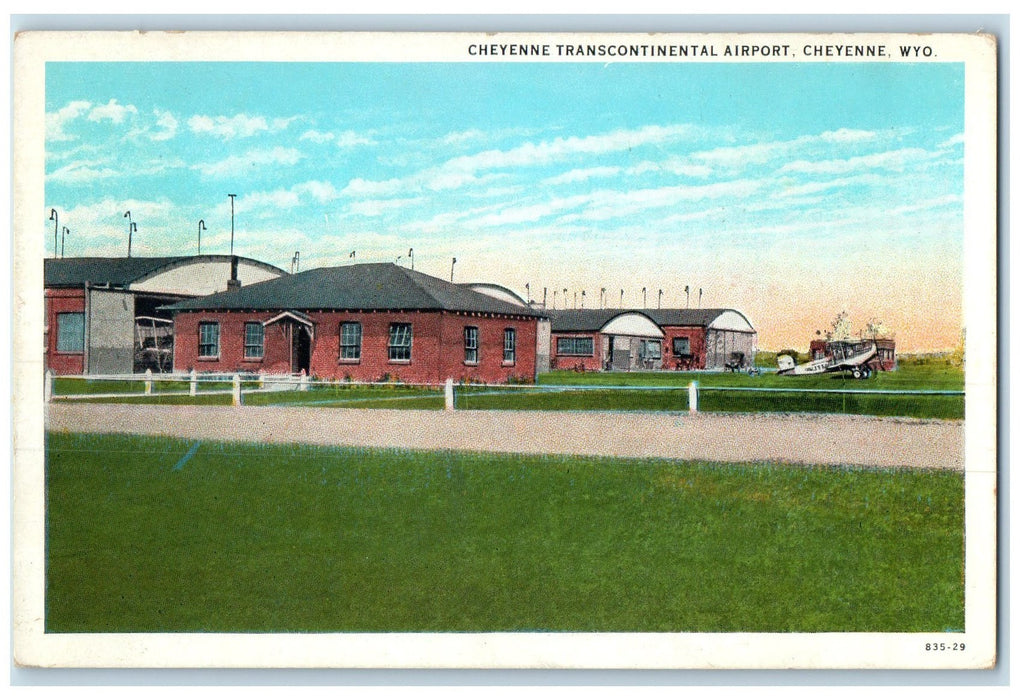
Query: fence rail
{"x": 691, "y": 397}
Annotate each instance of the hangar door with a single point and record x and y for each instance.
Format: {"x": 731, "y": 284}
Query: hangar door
{"x": 110, "y": 332}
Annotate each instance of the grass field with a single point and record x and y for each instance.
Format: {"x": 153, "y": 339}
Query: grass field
{"x": 163, "y": 535}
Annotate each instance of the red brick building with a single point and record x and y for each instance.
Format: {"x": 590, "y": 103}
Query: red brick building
{"x": 651, "y": 339}
{"x": 364, "y": 322}
{"x": 102, "y": 314}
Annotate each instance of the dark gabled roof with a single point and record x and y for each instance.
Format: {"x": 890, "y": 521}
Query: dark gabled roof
{"x": 116, "y": 272}
{"x": 578, "y": 320}
{"x": 121, "y": 272}
{"x": 367, "y": 286}
{"x": 687, "y": 317}
{"x": 590, "y": 320}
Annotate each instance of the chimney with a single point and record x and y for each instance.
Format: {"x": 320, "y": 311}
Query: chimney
{"x": 233, "y": 283}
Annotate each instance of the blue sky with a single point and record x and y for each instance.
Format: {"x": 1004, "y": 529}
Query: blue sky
{"x": 790, "y": 191}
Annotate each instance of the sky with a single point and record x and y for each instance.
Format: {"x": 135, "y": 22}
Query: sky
{"x": 789, "y": 191}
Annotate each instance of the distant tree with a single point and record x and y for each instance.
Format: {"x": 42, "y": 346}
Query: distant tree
{"x": 877, "y": 329}
{"x": 841, "y": 327}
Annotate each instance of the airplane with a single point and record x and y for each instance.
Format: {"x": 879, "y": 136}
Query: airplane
{"x": 852, "y": 356}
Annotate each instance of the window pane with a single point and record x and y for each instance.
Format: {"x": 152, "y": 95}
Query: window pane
{"x": 253, "y": 337}
{"x": 470, "y": 344}
{"x": 71, "y": 332}
{"x": 208, "y": 339}
{"x": 575, "y": 346}
{"x": 509, "y": 345}
{"x": 350, "y": 341}
{"x": 400, "y": 341}
{"x": 681, "y": 346}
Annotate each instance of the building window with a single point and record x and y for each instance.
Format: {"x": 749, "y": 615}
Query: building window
{"x": 681, "y": 346}
{"x": 400, "y": 341}
{"x": 651, "y": 350}
{"x": 350, "y": 341}
{"x": 209, "y": 339}
{"x": 471, "y": 345}
{"x": 71, "y": 332}
{"x": 254, "y": 336}
{"x": 583, "y": 347}
{"x": 509, "y": 346}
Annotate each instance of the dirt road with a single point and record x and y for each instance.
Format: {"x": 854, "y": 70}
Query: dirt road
{"x": 791, "y": 438}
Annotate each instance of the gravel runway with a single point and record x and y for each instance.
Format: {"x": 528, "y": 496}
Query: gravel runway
{"x": 786, "y": 438}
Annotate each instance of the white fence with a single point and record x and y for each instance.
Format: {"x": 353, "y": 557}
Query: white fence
{"x": 237, "y": 385}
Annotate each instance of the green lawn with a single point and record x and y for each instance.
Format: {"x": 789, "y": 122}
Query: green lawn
{"x": 163, "y": 535}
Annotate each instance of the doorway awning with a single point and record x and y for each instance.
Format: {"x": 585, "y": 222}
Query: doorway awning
{"x": 294, "y": 317}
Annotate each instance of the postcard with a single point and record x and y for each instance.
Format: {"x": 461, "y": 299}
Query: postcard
{"x": 542, "y": 350}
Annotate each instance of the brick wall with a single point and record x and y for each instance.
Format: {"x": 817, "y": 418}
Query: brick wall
{"x": 437, "y": 347}
{"x": 580, "y": 363}
{"x": 62, "y": 301}
{"x": 696, "y": 335}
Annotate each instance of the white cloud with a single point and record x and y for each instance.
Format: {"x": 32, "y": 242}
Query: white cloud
{"x": 56, "y": 121}
{"x": 359, "y": 187}
{"x": 738, "y": 157}
{"x": 112, "y": 111}
{"x": 167, "y": 124}
{"x": 611, "y": 205}
{"x": 277, "y": 199}
{"x": 533, "y": 212}
{"x": 888, "y": 160}
{"x": 847, "y": 136}
{"x": 240, "y": 164}
{"x": 317, "y": 136}
{"x": 581, "y": 174}
{"x": 349, "y": 139}
{"x": 322, "y": 192}
{"x": 462, "y": 171}
{"x": 374, "y": 207}
{"x": 956, "y": 140}
{"x": 81, "y": 171}
{"x": 237, "y": 126}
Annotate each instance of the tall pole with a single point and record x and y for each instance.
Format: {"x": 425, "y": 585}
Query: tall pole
{"x": 660, "y": 298}
{"x": 582, "y": 298}
{"x": 127, "y": 215}
{"x": 201, "y": 226}
{"x": 63, "y": 233}
{"x": 410, "y": 254}
{"x": 621, "y": 298}
{"x": 55, "y": 218}
{"x": 452, "y": 263}
{"x": 699, "y": 297}
{"x": 231, "y": 222}
{"x": 644, "y": 297}
{"x": 687, "y": 291}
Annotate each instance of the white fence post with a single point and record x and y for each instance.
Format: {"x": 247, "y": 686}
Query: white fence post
{"x": 193, "y": 389}
{"x": 449, "y": 394}
{"x": 48, "y": 386}
{"x": 236, "y": 397}
{"x": 303, "y": 382}
{"x": 692, "y": 397}
{"x": 148, "y": 382}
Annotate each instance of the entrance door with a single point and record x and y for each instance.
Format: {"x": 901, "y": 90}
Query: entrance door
{"x": 620, "y": 353}
{"x": 300, "y": 349}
